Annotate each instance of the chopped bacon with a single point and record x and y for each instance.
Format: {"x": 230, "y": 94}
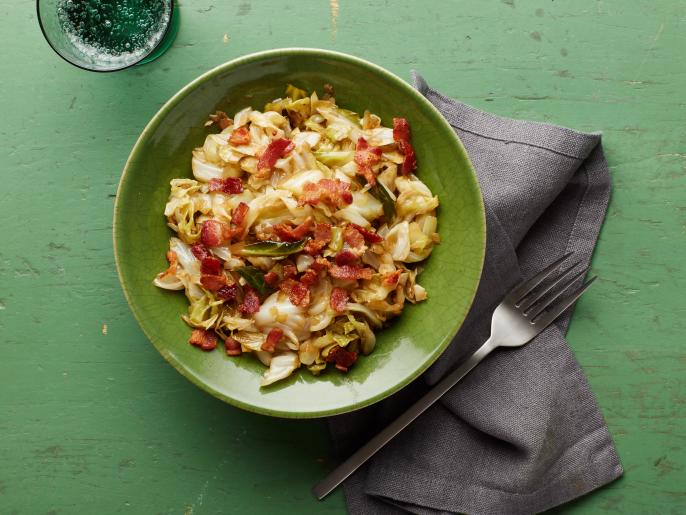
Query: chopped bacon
{"x": 286, "y": 233}
{"x": 274, "y": 151}
{"x": 322, "y": 237}
{"x": 339, "y": 299}
{"x": 350, "y": 272}
{"x": 251, "y": 302}
{"x": 206, "y": 340}
{"x": 298, "y": 293}
{"x": 213, "y": 282}
{"x": 369, "y": 236}
{"x": 346, "y": 257}
{"x": 227, "y": 292}
{"x": 314, "y": 247}
{"x": 272, "y": 279}
{"x": 273, "y": 338}
{"x": 240, "y": 136}
{"x": 310, "y": 277}
{"x": 210, "y": 266}
{"x": 322, "y": 231}
{"x": 320, "y": 264}
{"x": 365, "y": 158}
{"x": 289, "y": 271}
{"x": 238, "y": 215}
{"x": 199, "y": 251}
{"x": 220, "y": 118}
{"x": 233, "y": 348}
{"x": 392, "y": 278}
{"x": 401, "y": 135}
{"x": 343, "y": 358}
{"x": 401, "y": 129}
{"x": 353, "y": 237}
{"x": 230, "y": 185}
{"x": 213, "y": 233}
{"x": 334, "y": 192}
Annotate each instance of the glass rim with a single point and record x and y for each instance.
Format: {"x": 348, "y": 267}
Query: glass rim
{"x": 47, "y": 39}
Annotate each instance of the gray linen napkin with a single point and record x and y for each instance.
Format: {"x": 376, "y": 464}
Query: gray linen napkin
{"x": 522, "y": 433}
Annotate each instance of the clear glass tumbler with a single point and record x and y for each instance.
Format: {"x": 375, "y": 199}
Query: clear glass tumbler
{"x": 108, "y": 35}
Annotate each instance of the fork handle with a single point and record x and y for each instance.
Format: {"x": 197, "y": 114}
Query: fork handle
{"x": 345, "y": 469}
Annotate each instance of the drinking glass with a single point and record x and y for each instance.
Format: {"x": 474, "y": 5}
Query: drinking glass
{"x": 108, "y": 35}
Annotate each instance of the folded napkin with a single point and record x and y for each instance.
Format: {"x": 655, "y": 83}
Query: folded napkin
{"x": 522, "y": 432}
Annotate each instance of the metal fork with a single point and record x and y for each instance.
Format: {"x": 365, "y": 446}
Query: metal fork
{"x": 521, "y": 315}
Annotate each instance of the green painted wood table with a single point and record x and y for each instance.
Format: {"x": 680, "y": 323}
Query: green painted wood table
{"x": 92, "y": 420}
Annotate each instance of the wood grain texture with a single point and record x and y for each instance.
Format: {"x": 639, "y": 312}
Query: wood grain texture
{"x": 91, "y": 418}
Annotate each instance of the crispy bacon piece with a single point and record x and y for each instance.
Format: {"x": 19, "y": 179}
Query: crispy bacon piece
{"x": 365, "y": 158}
{"x": 286, "y": 233}
{"x": 206, "y": 340}
{"x": 289, "y": 271}
{"x": 334, "y": 192}
{"x": 353, "y": 237}
{"x": 298, "y": 293}
{"x": 273, "y": 338}
{"x": 322, "y": 231}
{"x": 220, "y": 119}
{"x": 210, "y": 265}
{"x": 346, "y": 257}
{"x": 233, "y": 348}
{"x": 314, "y": 247}
{"x": 339, "y": 299}
{"x": 369, "y": 236}
{"x": 401, "y": 135}
{"x": 401, "y": 129}
{"x": 199, "y": 251}
{"x": 322, "y": 237}
{"x": 274, "y": 151}
{"x": 343, "y": 358}
{"x": 230, "y": 185}
{"x": 310, "y": 277}
{"x": 228, "y": 292}
{"x": 212, "y": 276}
{"x": 321, "y": 263}
{"x": 238, "y": 215}
{"x": 213, "y": 282}
{"x": 350, "y": 272}
{"x": 251, "y": 302}
{"x": 272, "y": 279}
{"x": 240, "y": 136}
{"x": 213, "y": 233}
{"x": 392, "y": 278}
{"x": 216, "y": 233}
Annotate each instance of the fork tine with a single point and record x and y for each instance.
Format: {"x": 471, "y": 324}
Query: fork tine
{"x": 530, "y": 300}
{"x": 547, "y": 318}
{"x": 519, "y": 292}
{"x": 548, "y": 302}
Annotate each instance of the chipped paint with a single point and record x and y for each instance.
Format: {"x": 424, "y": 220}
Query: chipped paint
{"x": 104, "y": 329}
{"x": 226, "y": 38}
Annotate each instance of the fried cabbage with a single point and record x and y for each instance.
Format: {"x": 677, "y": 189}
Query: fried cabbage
{"x": 300, "y": 233}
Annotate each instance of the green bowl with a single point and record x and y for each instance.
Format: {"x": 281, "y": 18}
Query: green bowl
{"x": 411, "y": 343}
